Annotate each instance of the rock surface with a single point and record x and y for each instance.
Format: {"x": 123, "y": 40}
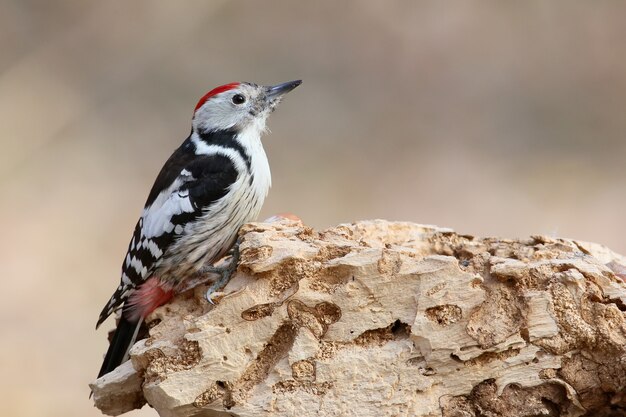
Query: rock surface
{"x": 389, "y": 319}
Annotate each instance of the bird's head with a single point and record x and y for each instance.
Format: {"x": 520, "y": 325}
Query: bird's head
{"x": 236, "y": 106}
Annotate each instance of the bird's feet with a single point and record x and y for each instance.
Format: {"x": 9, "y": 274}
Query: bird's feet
{"x": 225, "y": 272}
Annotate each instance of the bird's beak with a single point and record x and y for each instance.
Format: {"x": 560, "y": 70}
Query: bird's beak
{"x": 277, "y": 91}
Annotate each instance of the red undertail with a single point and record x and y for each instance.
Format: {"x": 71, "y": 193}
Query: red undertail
{"x": 142, "y": 302}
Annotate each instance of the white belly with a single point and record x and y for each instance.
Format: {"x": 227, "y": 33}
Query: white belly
{"x": 208, "y": 238}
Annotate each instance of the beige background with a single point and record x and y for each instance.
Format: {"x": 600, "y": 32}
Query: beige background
{"x": 493, "y": 118}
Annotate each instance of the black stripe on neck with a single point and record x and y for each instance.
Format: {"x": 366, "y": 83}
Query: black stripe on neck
{"x": 226, "y": 139}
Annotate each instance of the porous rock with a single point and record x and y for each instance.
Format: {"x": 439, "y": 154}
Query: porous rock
{"x": 388, "y": 319}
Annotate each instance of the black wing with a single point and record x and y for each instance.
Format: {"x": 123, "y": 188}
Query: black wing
{"x": 185, "y": 187}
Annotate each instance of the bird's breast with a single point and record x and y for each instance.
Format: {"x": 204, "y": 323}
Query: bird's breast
{"x": 209, "y": 237}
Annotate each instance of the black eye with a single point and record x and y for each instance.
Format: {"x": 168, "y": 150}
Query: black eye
{"x": 239, "y": 99}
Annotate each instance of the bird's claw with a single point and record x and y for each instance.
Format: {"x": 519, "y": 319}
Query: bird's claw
{"x": 209, "y": 296}
{"x": 225, "y": 273}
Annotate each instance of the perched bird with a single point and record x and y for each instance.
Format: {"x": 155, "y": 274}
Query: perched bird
{"x": 212, "y": 184}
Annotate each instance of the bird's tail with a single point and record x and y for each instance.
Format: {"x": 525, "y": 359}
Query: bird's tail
{"x": 140, "y": 303}
{"x": 123, "y": 338}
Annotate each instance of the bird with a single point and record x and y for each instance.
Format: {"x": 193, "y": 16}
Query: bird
{"x": 215, "y": 182}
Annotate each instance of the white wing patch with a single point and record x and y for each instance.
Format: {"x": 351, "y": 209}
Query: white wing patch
{"x": 170, "y": 202}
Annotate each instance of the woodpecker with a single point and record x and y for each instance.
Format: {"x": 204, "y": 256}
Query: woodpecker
{"x": 210, "y": 186}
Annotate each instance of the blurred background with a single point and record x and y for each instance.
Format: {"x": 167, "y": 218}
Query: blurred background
{"x": 493, "y": 118}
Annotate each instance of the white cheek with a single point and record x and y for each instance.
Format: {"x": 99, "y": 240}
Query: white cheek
{"x": 216, "y": 116}
{"x": 221, "y": 114}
